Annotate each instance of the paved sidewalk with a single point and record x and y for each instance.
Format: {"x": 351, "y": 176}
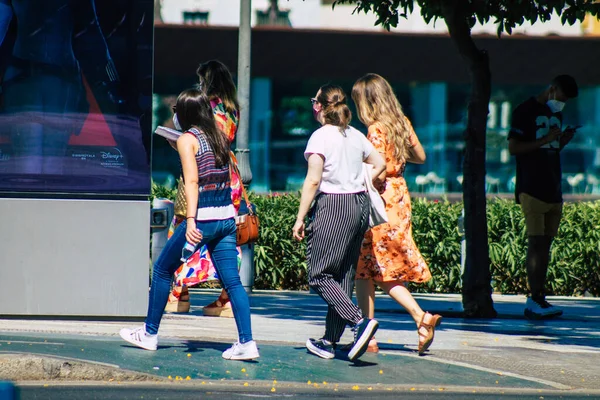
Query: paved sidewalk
{"x": 503, "y": 353}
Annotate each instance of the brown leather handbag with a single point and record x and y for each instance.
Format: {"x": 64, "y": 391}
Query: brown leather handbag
{"x": 247, "y": 224}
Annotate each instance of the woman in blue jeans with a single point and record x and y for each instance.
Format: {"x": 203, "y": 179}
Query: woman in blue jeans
{"x": 204, "y": 153}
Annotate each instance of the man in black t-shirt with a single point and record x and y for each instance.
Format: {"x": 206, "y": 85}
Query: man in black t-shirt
{"x": 536, "y": 138}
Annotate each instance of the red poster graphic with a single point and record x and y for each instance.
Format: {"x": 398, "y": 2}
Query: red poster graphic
{"x": 95, "y": 130}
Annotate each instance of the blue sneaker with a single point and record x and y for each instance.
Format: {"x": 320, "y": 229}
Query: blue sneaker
{"x": 363, "y": 332}
{"x": 321, "y": 348}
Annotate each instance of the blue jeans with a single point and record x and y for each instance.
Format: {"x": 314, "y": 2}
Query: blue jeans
{"x": 219, "y": 236}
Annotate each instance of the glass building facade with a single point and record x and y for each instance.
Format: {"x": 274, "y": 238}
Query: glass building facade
{"x": 434, "y": 97}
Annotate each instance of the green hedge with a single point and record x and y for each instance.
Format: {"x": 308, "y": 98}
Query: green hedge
{"x": 574, "y": 269}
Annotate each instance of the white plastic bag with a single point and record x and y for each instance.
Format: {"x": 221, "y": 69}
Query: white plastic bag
{"x": 377, "y": 214}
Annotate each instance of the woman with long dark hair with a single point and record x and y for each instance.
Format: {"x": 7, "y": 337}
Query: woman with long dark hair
{"x": 210, "y": 221}
{"x": 215, "y": 80}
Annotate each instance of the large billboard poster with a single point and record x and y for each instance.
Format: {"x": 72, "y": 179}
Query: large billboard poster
{"x": 76, "y": 96}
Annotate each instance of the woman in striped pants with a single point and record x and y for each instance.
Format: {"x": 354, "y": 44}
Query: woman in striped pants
{"x": 337, "y": 220}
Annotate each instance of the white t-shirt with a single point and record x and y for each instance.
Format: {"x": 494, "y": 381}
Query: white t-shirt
{"x": 344, "y": 155}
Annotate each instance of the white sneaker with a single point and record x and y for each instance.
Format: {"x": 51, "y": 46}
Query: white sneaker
{"x": 242, "y": 351}
{"x": 139, "y": 338}
{"x": 540, "y": 310}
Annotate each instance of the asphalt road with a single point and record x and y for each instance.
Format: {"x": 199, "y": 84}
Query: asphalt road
{"x": 195, "y": 391}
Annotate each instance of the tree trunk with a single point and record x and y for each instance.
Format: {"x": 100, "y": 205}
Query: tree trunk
{"x": 476, "y": 280}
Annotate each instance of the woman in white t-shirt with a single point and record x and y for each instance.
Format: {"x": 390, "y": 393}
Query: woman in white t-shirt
{"x": 338, "y": 219}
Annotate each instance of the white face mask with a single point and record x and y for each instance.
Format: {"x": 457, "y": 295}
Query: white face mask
{"x": 176, "y": 122}
{"x": 555, "y": 105}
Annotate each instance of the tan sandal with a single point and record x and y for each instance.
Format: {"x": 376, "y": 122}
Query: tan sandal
{"x": 179, "y": 300}
{"x": 218, "y": 308}
{"x": 373, "y": 347}
{"x": 426, "y": 331}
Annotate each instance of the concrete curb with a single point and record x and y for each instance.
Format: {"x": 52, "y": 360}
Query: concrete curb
{"x": 18, "y": 367}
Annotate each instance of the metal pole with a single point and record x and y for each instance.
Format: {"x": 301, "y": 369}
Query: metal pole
{"x": 243, "y": 89}
{"x": 242, "y": 150}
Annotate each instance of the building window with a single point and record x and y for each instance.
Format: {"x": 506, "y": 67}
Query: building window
{"x": 273, "y": 16}
{"x": 195, "y": 17}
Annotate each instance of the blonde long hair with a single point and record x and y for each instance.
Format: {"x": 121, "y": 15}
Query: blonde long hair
{"x": 376, "y": 103}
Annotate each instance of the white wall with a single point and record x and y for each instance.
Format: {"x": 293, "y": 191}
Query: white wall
{"x": 311, "y": 14}
{"x": 305, "y": 14}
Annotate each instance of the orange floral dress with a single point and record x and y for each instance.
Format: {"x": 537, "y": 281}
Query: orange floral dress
{"x": 389, "y": 252}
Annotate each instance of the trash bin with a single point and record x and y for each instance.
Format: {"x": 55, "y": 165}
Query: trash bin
{"x": 160, "y": 219}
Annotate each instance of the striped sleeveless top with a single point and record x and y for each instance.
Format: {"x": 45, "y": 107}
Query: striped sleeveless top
{"x": 214, "y": 188}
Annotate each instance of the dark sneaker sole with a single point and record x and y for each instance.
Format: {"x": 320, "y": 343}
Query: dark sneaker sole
{"x": 318, "y": 352}
{"x": 362, "y": 343}
{"x": 535, "y": 316}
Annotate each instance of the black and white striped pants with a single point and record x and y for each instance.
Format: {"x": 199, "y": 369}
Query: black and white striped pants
{"x": 335, "y": 233}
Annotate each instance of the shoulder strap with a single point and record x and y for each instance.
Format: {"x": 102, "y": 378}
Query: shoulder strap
{"x": 233, "y": 167}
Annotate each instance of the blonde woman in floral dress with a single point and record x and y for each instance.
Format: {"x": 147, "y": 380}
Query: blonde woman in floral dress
{"x": 389, "y": 256}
